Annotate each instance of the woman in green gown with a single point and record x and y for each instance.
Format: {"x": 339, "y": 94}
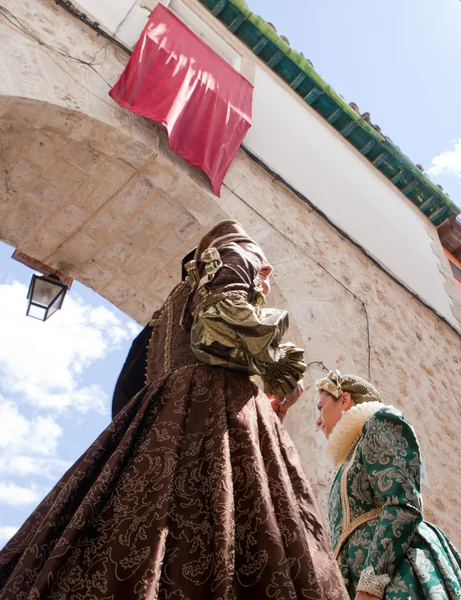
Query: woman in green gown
{"x": 383, "y": 546}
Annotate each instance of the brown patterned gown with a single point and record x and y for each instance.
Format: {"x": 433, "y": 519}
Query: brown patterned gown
{"x": 194, "y": 491}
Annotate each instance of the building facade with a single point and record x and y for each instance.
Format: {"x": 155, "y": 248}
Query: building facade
{"x": 349, "y": 223}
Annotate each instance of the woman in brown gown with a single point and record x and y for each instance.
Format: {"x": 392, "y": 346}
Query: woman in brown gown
{"x": 194, "y": 491}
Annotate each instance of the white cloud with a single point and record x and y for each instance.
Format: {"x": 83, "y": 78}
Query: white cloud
{"x": 6, "y": 532}
{"x": 16, "y": 495}
{"x": 28, "y": 446}
{"x": 448, "y": 162}
{"x": 44, "y": 362}
{"x": 133, "y": 329}
{"x": 24, "y": 466}
{"x": 18, "y": 434}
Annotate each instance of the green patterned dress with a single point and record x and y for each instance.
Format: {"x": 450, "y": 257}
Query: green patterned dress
{"x": 382, "y": 544}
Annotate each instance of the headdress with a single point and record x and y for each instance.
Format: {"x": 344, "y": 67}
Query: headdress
{"x": 331, "y": 384}
{"x": 359, "y": 389}
{"x": 205, "y": 262}
{"x": 223, "y": 233}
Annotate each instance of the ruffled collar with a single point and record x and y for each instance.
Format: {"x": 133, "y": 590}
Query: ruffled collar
{"x": 347, "y": 431}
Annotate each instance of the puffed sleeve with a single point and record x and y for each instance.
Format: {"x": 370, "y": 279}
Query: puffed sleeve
{"x": 231, "y": 331}
{"x": 391, "y": 456}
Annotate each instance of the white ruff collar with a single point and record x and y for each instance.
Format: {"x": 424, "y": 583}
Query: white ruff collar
{"x": 348, "y": 429}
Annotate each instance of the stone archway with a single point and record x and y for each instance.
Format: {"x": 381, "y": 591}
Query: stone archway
{"x": 113, "y": 208}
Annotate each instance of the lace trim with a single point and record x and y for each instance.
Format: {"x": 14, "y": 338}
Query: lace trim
{"x": 281, "y": 377}
{"x": 373, "y": 584}
{"x": 347, "y": 431}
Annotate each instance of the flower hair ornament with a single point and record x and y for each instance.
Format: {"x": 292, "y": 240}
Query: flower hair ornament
{"x": 331, "y": 384}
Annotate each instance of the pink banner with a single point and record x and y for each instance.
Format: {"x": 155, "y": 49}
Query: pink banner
{"x": 176, "y": 79}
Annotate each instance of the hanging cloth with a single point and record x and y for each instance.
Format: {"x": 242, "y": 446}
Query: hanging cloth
{"x": 176, "y": 79}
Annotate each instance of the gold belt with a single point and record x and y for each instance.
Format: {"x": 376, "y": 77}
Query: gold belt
{"x": 355, "y": 524}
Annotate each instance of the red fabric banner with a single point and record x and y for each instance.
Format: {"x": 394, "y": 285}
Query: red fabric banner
{"x": 176, "y": 79}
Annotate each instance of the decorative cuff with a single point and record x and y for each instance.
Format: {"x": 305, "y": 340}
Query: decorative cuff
{"x": 281, "y": 377}
{"x": 373, "y": 584}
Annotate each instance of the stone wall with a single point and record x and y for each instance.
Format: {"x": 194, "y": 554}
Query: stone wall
{"x": 415, "y": 359}
{"x": 97, "y": 193}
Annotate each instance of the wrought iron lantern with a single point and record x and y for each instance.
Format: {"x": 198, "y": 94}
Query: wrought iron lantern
{"x": 45, "y": 296}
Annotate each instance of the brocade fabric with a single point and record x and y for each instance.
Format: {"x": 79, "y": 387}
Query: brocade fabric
{"x": 383, "y": 545}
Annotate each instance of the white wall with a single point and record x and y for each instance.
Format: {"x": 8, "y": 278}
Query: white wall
{"x": 310, "y": 156}
{"x": 108, "y": 13}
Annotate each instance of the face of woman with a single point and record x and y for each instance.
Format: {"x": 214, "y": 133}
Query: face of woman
{"x": 265, "y": 270}
{"x": 330, "y": 412}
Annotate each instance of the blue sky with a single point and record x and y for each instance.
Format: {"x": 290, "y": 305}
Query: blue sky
{"x": 398, "y": 60}
{"x": 56, "y": 382}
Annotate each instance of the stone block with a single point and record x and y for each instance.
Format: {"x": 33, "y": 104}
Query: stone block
{"x": 199, "y": 201}
{"x": 80, "y": 248}
{"x": 145, "y": 131}
{"x": 136, "y": 154}
{"x": 140, "y": 309}
{"x": 172, "y": 242}
{"x": 133, "y": 195}
{"x": 105, "y": 225}
{"x": 116, "y": 254}
{"x": 160, "y": 208}
{"x": 23, "y": 111}
{"x": 150, "y": 4}
{"x": 142, "y": 271}
{"x": 162, "y": 286}
{"x": 164, "y": 150}
{"x": 95, "y": 276}
{"x": 108, "y": 139}
{"x": 5, "y": 104}
{"x": 231, "y": 179}
{"x": 233, "y": 207}
{"x": 162, "y": 172}
{"x": 102, "y": 187}
{"x": 18, "y": 178}
{"x": 118, "y": 292}
{"x": 60, "y": 120}
{"x": 42, "y": 244}
{"x": 13, "y": 137}
{"x": 91, "y": 131}
{"x": 186, "y": 226}
{"x": 67, "y": 220}
{"x": 44, "y": 148}
{"x": 46, "y": 194}
{"x": 82, "y": 156}
{"x": 139, "y": 233}
{"x": 106, "y": 110}
{"x": 25, "y": 217}
{"x": 64, "y": 177}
